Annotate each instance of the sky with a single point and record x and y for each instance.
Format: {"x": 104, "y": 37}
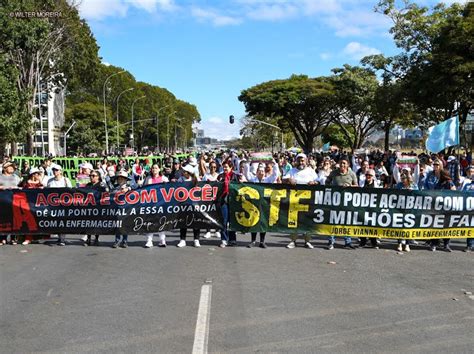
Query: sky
{"x": 207, "y": 51}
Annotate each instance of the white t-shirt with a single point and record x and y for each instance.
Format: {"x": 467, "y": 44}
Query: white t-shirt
{"x": 61, "y": 183}
{"x": 210, "y": 178}
{"x": 302, "y": 176}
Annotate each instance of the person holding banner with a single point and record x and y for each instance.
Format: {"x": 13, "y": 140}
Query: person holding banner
{"x": 155, "y": 177}
{"x": 97, "y": 184}
{"x": 33, "y": 182}
{"x": 260, "y": 178}
{"x": 370, "y": 182}
{"x": 211, "y": 176}
{"x": 124, "y": 185}
{"x": 300, "y": 174}
{"x": 228, "y": 237}
{"x": 407, "y": 183}
{"x": 59, "y": 181}
{"x": 468, "y": 187}
{"x": 343, "y": 177}
{"x": 189, "y": 175}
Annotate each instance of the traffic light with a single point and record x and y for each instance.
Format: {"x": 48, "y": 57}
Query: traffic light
{"x": 231, "y": 119}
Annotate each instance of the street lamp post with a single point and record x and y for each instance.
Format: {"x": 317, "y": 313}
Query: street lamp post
{"x": 105, "y": 113}
{"x": 65, "y": 137}
{"x": 157, "y": 127}
{"x": 271, "y": 125}
{"x": 133, "y": 135}
{"x": 118, "y": 101}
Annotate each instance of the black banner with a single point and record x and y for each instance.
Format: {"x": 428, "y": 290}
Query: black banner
{"x": 152, "y": 208}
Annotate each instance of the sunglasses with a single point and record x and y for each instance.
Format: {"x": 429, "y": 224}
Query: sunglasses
{"x": 94, "y": 175}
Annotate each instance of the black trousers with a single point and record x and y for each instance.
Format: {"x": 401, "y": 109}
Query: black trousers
{"x": 182, "y": 234}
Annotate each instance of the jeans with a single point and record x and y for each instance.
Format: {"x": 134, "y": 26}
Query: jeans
{"x": 347, "y": 240}
{"x": 363, "y": 241}
{"x": 435, "y": 242}
{"x": 124, "y": 238}
{"x": 227, "y": 235}
{"x": 470, "y": 242}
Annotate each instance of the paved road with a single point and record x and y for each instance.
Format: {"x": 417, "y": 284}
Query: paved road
{"x": 97, "y": 299}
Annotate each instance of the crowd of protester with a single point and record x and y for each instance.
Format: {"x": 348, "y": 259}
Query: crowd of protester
{"x": 374, "y": 169}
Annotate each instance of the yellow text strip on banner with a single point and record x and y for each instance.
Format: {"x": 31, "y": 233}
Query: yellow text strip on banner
{"x": 362, "y": 231}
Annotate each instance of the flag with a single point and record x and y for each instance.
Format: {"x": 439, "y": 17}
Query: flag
{"x": 443, "y": 135}
{"x": 326, "y": 147}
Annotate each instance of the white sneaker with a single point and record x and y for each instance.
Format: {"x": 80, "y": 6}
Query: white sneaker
{"x": 84, "y": 238}
{"x": 181, "y": 243}
{"x": 407, "y": 248}
{"x": 330, "y": 246}
{"x": 223, "y": 244}
{"x": 196, "y": 243}
{"x": 400, "y": 248}
{"x": 291, "y": 245}
{"x": 207, "y": 235}
{"x": 26, "y": 242}
{"x": 217, "y": 234}
{"x": 149, "y": 244}
{"x": 309, "y": 245}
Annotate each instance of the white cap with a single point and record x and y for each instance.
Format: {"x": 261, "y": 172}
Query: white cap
{"x": 122, "y": 173}
{"x": 406, "y": 169}
{"x": 301, "y": 155}
{"x": 451, "y": 158}
{"x": 33, "y": 170}
{"x": 188, "y": 168}
{"x": 86, "y": 165}
{"x": 192, "y": 161}
{"x": 55, "y": 166}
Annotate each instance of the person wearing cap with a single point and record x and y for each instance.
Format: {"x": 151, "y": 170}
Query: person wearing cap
{"x": 9, "y": 179}
{"x": 59, "y": 181}
{"x": 300, "y": 174}
{"x": 155, "y": 177}
{"x": 83, "y": 177}
{"x": 32, "y": 182}
{"x": 122, "y": 184}
{"x": 324, "y": 171}
{"x": 343, "y": 177}
{"x": 189, "y": 175}
{"x": 192, "y": 161}
{"x": 98, "y": 184}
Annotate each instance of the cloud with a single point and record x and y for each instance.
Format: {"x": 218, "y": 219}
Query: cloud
{"x": 325, "y": 56}
{"x": 272, "y": 12}
{"x": 219, "y": 128}
{"x": 213, "y": 16}
{"x": 100, "y": 9}
{"x": 357, "y": 50}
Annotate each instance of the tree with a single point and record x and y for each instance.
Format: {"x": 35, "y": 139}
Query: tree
{"x": 336, "y": 136}
{"x": 437, "y": 58}
{"x": 87, "y": 136}
{"x": 13, "y": 120}
{"x": 355, "y": 89}
{"x": 301, "y": 104}
{"x": 59, "y": 50}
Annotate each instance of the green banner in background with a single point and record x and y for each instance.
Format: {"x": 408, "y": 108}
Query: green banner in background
{"x": 337, "y": 211}
{"x": 70, "y": 165}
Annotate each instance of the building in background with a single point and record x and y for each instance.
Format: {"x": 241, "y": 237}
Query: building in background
{"x": 48, "y": 136}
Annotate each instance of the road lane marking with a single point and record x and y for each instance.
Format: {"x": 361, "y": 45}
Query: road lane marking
{"x": 201, "y": 335}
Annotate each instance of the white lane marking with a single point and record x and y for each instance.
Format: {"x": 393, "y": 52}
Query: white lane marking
{"x": 201, "y": 335}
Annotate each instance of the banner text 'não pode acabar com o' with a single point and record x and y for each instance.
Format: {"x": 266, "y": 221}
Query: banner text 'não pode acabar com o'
{"x": 384, "y": 213}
